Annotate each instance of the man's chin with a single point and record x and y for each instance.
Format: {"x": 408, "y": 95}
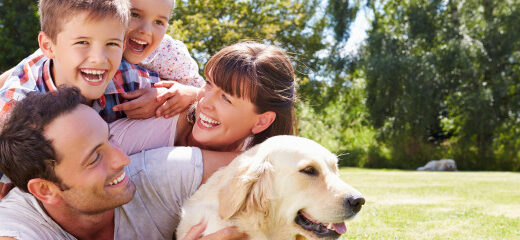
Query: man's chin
{"x": 128, "y": 194}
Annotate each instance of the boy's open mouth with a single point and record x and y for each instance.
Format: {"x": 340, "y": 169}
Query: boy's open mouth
{"x": 136, "y": 45}
{"x": 93, "y": 77}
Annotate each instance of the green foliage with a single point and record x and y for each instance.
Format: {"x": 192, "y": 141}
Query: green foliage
{"x": 298, "y": 26}
{"x": 442, "y": 77}
{"x": 19, "y": 26}
{"x": 341, "y": 125}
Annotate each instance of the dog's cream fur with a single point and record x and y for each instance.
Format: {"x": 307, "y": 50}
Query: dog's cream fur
{"x": 262, "y": 190}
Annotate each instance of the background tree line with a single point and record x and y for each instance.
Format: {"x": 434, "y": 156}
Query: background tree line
{"x": 434, "y": 79}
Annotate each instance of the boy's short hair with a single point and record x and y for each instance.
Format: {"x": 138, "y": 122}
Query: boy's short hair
{"x": 53, "y": 13}
{"x": 25, "y": 153}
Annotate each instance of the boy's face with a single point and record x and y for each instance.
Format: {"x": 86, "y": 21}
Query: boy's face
{"x": 148, "y": 24}
{"x": 86, "y": 54}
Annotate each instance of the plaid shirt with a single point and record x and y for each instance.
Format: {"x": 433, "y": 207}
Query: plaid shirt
{"x": 33, "y": 74}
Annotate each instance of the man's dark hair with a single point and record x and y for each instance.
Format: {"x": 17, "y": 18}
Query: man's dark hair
{"x": 25, "y": 153}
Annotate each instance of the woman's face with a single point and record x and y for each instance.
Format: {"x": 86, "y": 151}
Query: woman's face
{"x": 223, "y": 121}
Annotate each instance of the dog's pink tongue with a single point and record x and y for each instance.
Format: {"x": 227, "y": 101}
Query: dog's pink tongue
{"x": 340, "y": 227}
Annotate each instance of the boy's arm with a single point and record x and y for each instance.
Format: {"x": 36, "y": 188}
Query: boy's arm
{"x": 135, "y": 83}
{"x": 143, "y": 102}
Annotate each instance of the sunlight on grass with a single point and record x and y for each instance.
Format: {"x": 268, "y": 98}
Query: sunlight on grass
{"x": 435, "y": 205}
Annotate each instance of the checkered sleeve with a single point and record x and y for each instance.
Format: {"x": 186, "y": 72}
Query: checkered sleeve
{"x": 24, "y": 79}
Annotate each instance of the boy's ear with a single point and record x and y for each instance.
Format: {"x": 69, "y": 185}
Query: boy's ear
{"x": 44, "y": 190}
{"x": 263, "y": 122}
{"x": 46, "y": 45}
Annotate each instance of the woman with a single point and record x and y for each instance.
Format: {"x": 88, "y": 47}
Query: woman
{"x": 248, "y": 97}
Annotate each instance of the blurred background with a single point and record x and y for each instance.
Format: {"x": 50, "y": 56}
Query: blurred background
{"x": 382, "y": 83}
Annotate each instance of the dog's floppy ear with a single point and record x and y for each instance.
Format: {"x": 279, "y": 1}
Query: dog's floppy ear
{"x": 249, "y": 188}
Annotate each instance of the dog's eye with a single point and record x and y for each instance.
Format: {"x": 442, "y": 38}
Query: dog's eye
{"x": 310, "y": 171}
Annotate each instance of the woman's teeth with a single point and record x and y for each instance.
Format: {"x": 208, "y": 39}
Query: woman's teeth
{"x": 117, "y": 180}
{"x": 207, "y": 122}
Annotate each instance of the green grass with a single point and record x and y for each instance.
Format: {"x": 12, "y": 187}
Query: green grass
{"x": 435, "y": 205}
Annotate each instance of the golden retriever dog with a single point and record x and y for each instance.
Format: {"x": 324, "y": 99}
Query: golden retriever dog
{"x": 284, "y": 188}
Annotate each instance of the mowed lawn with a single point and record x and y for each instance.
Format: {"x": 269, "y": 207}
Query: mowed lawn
{"x": 435, "y": 205}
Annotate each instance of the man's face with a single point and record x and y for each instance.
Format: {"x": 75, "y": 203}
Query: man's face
{"x": 91, "y": 168}
{"x": 87, "y": 53}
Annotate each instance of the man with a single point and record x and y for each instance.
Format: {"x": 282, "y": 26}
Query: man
{"x": 73, "y": 183}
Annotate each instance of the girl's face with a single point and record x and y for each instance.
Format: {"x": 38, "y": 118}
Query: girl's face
{"x": 148, "y": 24}
{"x": 223, "y": 121}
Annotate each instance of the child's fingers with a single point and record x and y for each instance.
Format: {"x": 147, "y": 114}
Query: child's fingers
{"x": 164, "y": 84}
{"x": 128, "y": 106}
{"x": 134, "y": 94}
{"x": 172, "y": 112}
{"x": 166, "y": 95}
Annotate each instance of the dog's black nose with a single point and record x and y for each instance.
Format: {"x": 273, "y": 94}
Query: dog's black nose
{"x": 354, "y": 202}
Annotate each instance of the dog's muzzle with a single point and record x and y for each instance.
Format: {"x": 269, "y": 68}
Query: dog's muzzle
{"x": 352, "y": 206}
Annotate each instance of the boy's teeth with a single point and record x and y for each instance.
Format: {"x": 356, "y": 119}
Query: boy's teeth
{"x": 89, "y": 71}
{"x": 138, "y": 41}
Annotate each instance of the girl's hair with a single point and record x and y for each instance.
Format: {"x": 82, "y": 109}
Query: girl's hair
{"x": 262, "y": 74}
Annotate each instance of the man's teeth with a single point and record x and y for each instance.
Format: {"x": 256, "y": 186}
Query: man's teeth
{"x": 139, "y": 41}
{"x": 117, "y": 180}
{"x": 330, "y": 226}
{"x": 207, "y": 122}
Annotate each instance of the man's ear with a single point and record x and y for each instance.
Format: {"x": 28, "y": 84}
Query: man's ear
{"x": 46, "y": 45}
{"x": 44, "y": 190}
{"x": 263, "y": 122}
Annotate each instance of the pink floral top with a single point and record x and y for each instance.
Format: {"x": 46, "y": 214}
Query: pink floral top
{"x": 173, "y": 61}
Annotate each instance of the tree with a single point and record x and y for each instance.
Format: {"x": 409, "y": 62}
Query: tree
{"x": 19, "y": 26}
{"x": 298, "y": 26}
{"x": 445, "y": 73}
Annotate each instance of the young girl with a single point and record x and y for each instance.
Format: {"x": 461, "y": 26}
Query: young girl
{"x": 149, "y": 46}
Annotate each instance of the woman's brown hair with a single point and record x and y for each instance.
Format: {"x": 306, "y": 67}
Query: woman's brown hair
{"x": 264, "y": 75}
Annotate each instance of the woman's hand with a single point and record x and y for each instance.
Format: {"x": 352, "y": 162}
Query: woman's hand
{"x": 229, "y": 233}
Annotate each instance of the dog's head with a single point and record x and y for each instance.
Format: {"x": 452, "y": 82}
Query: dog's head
{"x": 296, "y": 182}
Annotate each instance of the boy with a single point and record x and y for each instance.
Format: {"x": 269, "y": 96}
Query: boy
{"x": 81, "y": 45}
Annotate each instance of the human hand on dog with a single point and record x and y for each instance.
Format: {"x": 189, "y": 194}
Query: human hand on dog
{"x": 229, "y": 233}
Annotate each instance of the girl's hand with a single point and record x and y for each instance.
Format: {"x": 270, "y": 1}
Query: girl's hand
{"x": 176, "y": 99}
